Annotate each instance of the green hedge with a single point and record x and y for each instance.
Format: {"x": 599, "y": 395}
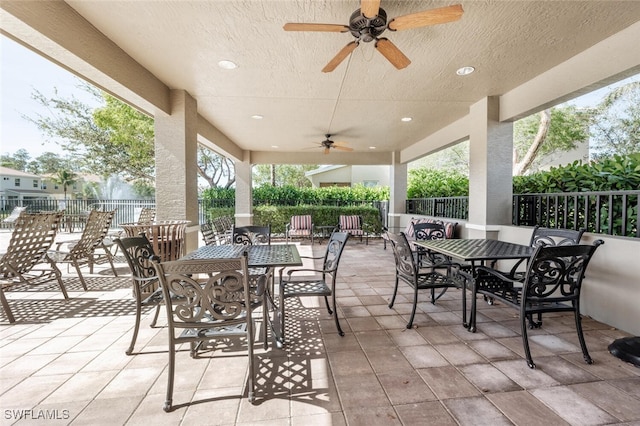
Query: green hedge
{"x": 278, "y": 216}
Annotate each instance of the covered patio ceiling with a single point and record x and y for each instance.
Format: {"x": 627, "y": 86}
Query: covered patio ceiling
{"x": 530, "y": 54}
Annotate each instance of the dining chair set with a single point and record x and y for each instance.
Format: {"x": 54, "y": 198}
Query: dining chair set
{"x": 546, "y": 278}
{"x": 212, "y": 302}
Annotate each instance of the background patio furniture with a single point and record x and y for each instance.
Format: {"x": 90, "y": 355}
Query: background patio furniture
{"x": 552, "y": 283}
{"x": 208, "y": 234}
{"x": 84, "y": 251}
{"x": 299, "y": 226}
{"x": 215, "y": 309}
{"x": 352, "y": 224}
{"x": 410, "y": 270}
{"x": 223, "y": 226}
{"x": 26, "y": 260}
{"x": 11, "y": 219}
{"x": 166, "y": 236}
{"x": 144, "y": 279}
{"x": 314, "y": 282}
{"x": 147, "y": 215}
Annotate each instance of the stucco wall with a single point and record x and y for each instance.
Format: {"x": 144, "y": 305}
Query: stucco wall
{"x": 611, "y": 292}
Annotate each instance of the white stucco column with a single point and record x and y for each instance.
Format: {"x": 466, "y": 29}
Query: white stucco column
{"x": 398, "y": 191}
{"x": 244, "y": 196}
{"x": 490, "y": 169}
{"x": 176, "y": 164}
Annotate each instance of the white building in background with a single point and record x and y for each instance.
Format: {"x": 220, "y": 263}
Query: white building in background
{"x": 341, "y": 175}
{"x": 19, "y": 186}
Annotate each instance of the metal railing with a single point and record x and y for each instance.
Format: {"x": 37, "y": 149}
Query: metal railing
{"x": 605, "y": 212}
{"x": 451, "y": 207}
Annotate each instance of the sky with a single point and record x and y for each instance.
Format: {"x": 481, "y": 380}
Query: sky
{"x": 22, "y": 71}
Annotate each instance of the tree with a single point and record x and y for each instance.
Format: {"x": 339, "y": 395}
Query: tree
{"x": 65, "y": 178}
{"x": 282, "y": 175}
{"x": 215, "y": 168}
{"x": 49, "y": 163}
{"x": 114, "y": 139}
{"x": 18, "y": 161}
{"x": 547, "y": 133}
{"x": 616, "y": 127}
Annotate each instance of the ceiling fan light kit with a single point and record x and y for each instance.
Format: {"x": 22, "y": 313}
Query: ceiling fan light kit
{"x": 368, "y": 22}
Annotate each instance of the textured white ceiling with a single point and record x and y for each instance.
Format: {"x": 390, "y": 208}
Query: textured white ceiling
{"x": 362, "y": 101}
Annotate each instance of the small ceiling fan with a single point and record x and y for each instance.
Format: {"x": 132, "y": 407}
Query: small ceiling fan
{"x": 368, "y": 22}
{"x": 328, "y": 145}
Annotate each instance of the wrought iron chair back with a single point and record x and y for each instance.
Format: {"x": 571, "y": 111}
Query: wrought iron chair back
{"x": 410, "y": 270}
{"x": 249, "y": 235}
{"x": 306, "y": 282}
{"x": 206, "y": 301}
{"x": 138, "y": 252}
{"x": 552, "y": 283}
{"x": 26, "y": 260}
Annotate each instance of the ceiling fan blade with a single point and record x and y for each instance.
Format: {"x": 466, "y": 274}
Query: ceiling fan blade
{"x": 392, "y": 53}
{"x": 369, "y": 8}
{"x": 427, "y": 17}
{"x": 346, "y": 51}
{"x": 337, "y": 28}
{"x": 342, "y": 148}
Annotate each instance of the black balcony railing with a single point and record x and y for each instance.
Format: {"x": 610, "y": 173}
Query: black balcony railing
{"x": 606, "y": 212}
{"x": 450, "y": 207}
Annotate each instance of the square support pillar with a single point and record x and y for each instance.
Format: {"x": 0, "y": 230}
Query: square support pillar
{"x": 244, "y": 194}
{"x": 490, "y": 170}
{"x": 176, "y": 164}
{"x": 398, "y": 191}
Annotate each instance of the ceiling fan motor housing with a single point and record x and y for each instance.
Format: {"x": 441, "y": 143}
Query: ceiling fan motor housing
{"x": 365, "y": 29}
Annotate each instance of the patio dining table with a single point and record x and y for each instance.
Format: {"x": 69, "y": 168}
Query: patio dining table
{"x": 476, "y": 252}
{"x": 259, "y": 256}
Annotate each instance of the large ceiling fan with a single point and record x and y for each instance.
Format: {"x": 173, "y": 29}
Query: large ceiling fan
{"x": 368, "y": 22}
{"x": 328, "y": 145}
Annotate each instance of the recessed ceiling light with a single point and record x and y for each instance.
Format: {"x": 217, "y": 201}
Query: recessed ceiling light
{"x": 227, "y": 65}
{"x": 372, "y": 147}
{"x": 465, "y": 70}
{"x": 406, "y": 119}
{"x": 275, "y": 146}
{"x": 257, "y": 117}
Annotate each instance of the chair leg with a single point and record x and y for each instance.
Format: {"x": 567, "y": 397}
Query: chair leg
{"x": 395, "y": 291}
{"x": 6, "y": 307}
{"x": 172, "y": 365}
{"x": 525, "y": 340}
{"x": 155, "y": 317}
{"x": 251, "y": 381}
{"x": 84, "y": 284}
{"x": 583, "y": 344}
{"x": 326, "y": 301}
{"x": 415, "y": 305}
{"x": 335, "y": 314}
{"x": 136, "y": 327}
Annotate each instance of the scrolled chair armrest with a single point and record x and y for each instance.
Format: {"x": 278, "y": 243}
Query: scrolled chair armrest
{"x": 498, "y": 274}
{"x": 293, "y": 271}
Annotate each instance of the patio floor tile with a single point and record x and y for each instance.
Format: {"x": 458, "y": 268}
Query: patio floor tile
{"x": 67, "y": 359}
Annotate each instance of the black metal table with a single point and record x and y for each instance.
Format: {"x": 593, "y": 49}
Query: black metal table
{"x": 260, "y": 256}
{"x": 476, "y": 251}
